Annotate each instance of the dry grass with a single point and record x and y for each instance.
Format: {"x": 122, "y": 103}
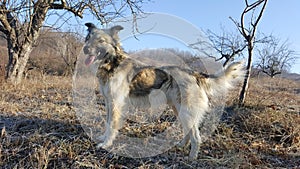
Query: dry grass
{"x": 39, "y": 129}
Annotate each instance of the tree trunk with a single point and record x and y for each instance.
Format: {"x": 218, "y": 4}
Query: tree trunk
{"x": 13, "y": 57}
{"x": 17, "y": 63}
{"x": 244, "y": 90}
{"x": 19, "y": 50}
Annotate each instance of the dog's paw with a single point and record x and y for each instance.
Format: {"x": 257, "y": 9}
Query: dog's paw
{"x": 182, "y": 144}
{"x": 104, "y": 145}
{"x": 193, "y": 155}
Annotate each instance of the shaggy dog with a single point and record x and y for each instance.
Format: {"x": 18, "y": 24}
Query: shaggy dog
{"x": 125, "y": 81}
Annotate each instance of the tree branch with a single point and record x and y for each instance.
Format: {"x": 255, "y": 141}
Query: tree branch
{"x": 64, "y": 6}
{"x": 260, "y": 15}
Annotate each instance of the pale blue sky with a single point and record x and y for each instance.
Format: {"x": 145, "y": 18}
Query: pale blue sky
{"x": 281, "y": 19}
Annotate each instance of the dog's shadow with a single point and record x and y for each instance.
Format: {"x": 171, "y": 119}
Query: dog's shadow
{"x": 26, "y": 126}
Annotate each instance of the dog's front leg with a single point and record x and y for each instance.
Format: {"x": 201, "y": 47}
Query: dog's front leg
{"x": 112, "y": 125}
{"x": 108, "y": 114}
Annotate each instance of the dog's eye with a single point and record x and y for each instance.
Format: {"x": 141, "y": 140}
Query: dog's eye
{"x": 100, "y": 40}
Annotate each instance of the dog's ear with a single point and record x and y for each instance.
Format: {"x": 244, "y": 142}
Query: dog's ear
{"x": 115, "y": 30}
{"x": 90, "y": 26}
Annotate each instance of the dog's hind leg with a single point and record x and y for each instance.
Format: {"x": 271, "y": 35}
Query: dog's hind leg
{"x": 195, "y": 142}
{"x": 186, "y": 138}
{"x": 190, "y": 121}
{"x": 193, "y": 136}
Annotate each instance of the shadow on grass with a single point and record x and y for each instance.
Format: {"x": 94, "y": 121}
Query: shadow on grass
{"x": 27, "y": 142}
{"x": 40, "y": 143}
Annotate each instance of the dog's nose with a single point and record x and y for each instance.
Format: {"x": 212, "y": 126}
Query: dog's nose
{"x": 86, "y": 49}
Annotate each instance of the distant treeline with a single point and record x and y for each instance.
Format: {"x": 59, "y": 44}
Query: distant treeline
{"x": 55, "y": 53}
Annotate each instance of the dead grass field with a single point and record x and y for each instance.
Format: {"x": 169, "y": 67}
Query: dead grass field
{"x": 39, "y": 129}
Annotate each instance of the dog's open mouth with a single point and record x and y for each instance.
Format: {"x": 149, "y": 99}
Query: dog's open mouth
{"x": 93, "y": 58}
{"x": 90, "y": 60}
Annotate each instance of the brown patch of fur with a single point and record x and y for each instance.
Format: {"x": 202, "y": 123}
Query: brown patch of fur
{"x": 146, "y": 80}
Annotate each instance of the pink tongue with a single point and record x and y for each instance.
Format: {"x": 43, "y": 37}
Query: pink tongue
{"x": 89, "y": 60}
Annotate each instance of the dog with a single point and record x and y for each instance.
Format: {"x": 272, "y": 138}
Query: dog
{"x": 125, "y": 81}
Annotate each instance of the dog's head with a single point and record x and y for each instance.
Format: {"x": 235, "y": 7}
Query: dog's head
{"x": 100, "y": 43}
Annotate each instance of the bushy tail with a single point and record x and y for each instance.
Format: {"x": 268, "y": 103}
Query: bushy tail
{"x": 221, "y": 82}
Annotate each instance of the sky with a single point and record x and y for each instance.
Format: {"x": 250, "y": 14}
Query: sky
{"x": 281, "y": 18}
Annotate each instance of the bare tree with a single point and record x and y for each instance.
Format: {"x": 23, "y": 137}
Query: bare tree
{"x": 275, "y": 57}
{"x": 21, "y": 22}
{"x": 65, "y": 45}
{"x": 249, "y": 33}
{"x": 71, "y": 47}
{"x": 227, "y": 44}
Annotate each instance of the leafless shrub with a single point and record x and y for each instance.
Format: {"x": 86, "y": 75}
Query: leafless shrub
{"x": 275, "y": 57}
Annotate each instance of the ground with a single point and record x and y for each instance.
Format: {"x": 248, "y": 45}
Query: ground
{"x": 39, "y": 129}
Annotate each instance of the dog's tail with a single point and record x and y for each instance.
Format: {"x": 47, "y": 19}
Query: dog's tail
{"x": 221, "y": 82}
